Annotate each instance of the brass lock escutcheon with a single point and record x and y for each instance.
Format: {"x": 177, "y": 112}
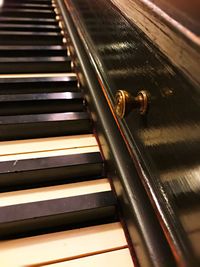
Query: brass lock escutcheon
{"x": 125, "y": 102}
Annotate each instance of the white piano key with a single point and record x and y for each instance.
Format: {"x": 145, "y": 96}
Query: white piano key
{"x": 39, "y": 75}
{"x": 46, "y": 144}
{"x": 53, "y": 153}
{"x": 47, "y": 147}
{"x": 54, "y": 192}
{"x": 65, "y": 245}
{"x": 116, "y": 258}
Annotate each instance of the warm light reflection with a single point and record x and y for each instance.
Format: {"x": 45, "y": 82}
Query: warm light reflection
{"x": 139, "y": 71}
{"x": 1, "y": 2}
{"x": 188, "y": 177}
{"x": 116, "y": 46}
{"x": 170, "y": 134}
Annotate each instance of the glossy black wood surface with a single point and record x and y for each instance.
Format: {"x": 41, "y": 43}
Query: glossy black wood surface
{"x": 165, "y": 144}
{"x": 151, "y": 249}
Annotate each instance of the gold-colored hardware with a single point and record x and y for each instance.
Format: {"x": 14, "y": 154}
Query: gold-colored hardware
{"x": 68, "y": 52}
{"x": 64, "y": 40}
{"x": 58, "y": 18}
{"x": 72, "y": 65}
{"x": 78, "y": 84}
{"x": 122, "y": 99}
{"x": 125, "y": 102}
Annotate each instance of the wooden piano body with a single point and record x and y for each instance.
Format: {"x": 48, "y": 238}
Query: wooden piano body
{"x": 151, "y": 159}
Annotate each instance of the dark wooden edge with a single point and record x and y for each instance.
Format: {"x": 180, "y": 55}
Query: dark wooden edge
{"x": 166, "y": 33}
{"x": 136, "y": 209}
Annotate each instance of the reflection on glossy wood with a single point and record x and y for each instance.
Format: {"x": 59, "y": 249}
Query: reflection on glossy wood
{"x": 164, "y": 144}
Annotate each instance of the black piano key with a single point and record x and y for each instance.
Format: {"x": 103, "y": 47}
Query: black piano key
{"x": 30, "y": 38}
{"x": 46, "y": 215}
{"x": 38, "y": 2}
{"x": 24, "y": 5}
{"x": 40, "y": 103}
{"x": 18, "y": 174}
{"x": 29, "y": 27}
{"x": 44, "y": 125}
{"x": 41, "y": 85}
{"x": 34, "y": 64}
{"x": 33, "y": 51}
{"x": 35, "y": 21}
{"x": 27, "y": 13}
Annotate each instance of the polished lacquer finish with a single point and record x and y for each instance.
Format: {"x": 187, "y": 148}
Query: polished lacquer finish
{"x": 164, "y": 143}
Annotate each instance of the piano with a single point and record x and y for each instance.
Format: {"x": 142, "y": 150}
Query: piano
{"x": 99, "y": 133}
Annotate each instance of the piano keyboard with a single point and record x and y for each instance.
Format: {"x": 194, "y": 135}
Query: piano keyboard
{"x": 67, "y": 247}
{"x": 57, "y": 207}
